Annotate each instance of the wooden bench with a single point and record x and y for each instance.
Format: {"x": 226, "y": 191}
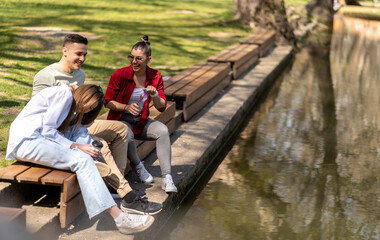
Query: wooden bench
{"x": 241, "y": 57}
{"x": 13, "y": 215}
{"x": 71, "y": 201}
{"x": 265, "y": 41}
{"x": 195, "y": 87}
{"x": 144, "y": 148}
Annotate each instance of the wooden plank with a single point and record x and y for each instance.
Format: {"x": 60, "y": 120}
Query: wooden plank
{"x": 174, "y": 88}
{"x": 241, "y": 54}
{"x": 14, "y": 215}
{"x": 239, "y": 70}
{"x": 265, "y": 41}
{"x": 182, "y": 74}
{"x": 69, "y": 188}
{"x": 70, "y": 210}
{"x": 225, "y": 55}
{"x": 165, "y": 116}
{"x": 10, "y": 172}
{"x": 191, "y": 110}
{"x": 146, "y": 148}
{"x": 56, "y": 177}
{"x": 258, "y": 38}
{"x": 203, "y": 84}
{"x": 171, "y": 125}
{"x": 33, "y": 174}
{"x": 252, "y": 51}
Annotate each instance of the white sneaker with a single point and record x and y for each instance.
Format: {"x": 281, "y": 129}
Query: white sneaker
{"x": 103, "y": 169}
{"x": 133, "y": 223}
{"x": 143, "y": 174}
{"x": 168, "y": 184}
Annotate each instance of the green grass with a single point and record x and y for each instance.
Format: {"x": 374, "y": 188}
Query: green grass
{"x": 296, "y": 3}
{"x": 182, "y": 33}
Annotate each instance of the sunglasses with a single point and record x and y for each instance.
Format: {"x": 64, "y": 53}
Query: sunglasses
{"x": 138, "y": 58}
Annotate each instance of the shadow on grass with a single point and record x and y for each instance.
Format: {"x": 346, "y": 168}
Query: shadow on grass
{"x": 9, "y": 104}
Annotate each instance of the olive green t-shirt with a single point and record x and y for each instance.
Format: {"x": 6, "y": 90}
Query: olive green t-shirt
{"x": 53, "y": 76}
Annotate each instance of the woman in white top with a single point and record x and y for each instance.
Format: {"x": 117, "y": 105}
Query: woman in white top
{"x": 45, "y": 133}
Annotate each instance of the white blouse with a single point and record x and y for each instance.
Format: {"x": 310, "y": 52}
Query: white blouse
{"x": 41, "y": 117}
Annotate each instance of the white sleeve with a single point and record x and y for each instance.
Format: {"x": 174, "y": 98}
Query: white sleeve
{"x": 59, "y": 103}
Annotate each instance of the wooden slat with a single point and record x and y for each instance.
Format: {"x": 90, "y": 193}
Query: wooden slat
{"x": 231, "y": 54}
{"x": 56, "y": 177}
{"x": 70, "y": 210}
{"x": 182, "y": 74}
{"x": 146, "y": 148}
{"x": 203, "y": 84}
{"x": 239, "y": 55}
{"x": 191, "y": 110}
{"x": 237, "y": 71}
{"x": 225, "y": 55}
{"x": 186, "y": 80}
{"x": 10, "y": 172}
{"x": 69, "y": 188}
{"x": 165, "y": 116}
{"x": 258, "y": 38}
{"x": 252, "y": 51}
{"x": 33, "y": 174}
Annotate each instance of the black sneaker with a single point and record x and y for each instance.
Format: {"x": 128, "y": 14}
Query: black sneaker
{"x": 139, "y": 205}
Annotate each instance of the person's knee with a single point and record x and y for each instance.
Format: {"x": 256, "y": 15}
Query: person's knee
{"x": 80, "y": 160}
{"x": 162, "y": 130}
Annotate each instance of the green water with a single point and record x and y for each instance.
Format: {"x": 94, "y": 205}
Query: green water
{"x": 307, "y": 165}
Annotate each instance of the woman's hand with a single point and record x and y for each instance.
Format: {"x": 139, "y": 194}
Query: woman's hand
{"x": 133, "y": 109}
{"x": 87, "y": 148}
{"x": 151, "y": 90}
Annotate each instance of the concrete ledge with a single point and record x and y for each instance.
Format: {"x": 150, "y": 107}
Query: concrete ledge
{"x": 197, "y": 143}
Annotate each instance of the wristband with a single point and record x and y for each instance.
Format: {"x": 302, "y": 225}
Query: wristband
{"x": 154, "y": 95}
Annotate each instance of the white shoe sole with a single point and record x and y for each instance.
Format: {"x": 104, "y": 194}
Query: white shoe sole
{"x": 139, "y": 228}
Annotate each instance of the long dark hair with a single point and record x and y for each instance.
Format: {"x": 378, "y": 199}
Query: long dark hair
{"x": 84, "y": 97}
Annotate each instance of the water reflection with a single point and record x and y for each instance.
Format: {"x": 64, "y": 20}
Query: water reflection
{"x": 307, "y": 164}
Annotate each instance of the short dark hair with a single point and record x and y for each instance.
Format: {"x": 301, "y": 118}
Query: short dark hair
{"x": 74, "y": 38}
{"x": 144, "y": 45}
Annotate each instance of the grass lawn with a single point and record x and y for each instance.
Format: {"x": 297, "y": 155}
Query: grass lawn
{"x": 181, "y": 33}
{"x": 296, "y": 3}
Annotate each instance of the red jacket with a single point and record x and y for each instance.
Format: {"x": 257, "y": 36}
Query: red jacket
{"x": 121, "y": 86}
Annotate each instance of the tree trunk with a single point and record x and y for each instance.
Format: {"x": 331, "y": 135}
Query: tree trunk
{"x": 264, "y": 14}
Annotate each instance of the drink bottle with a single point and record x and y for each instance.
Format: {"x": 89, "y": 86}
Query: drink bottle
{"x": 97, "y": 145}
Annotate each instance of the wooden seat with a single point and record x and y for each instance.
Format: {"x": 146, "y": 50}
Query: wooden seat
{"x": 241, "y": 57}
{"x": 195, "y": 87}
{"x": 265, "y": 40}
{"x": 71, "y": 201}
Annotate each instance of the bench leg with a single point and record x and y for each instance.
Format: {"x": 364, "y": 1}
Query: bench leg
{"x": 71, "y": 209}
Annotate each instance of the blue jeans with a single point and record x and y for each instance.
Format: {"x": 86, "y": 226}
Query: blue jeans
{"x": 47, "y": 153}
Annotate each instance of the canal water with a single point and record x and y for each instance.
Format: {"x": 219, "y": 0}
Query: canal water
{"x": 307, "y": 165}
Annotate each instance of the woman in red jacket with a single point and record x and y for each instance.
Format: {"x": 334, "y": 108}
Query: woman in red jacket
{"x": 128, "y": 95}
